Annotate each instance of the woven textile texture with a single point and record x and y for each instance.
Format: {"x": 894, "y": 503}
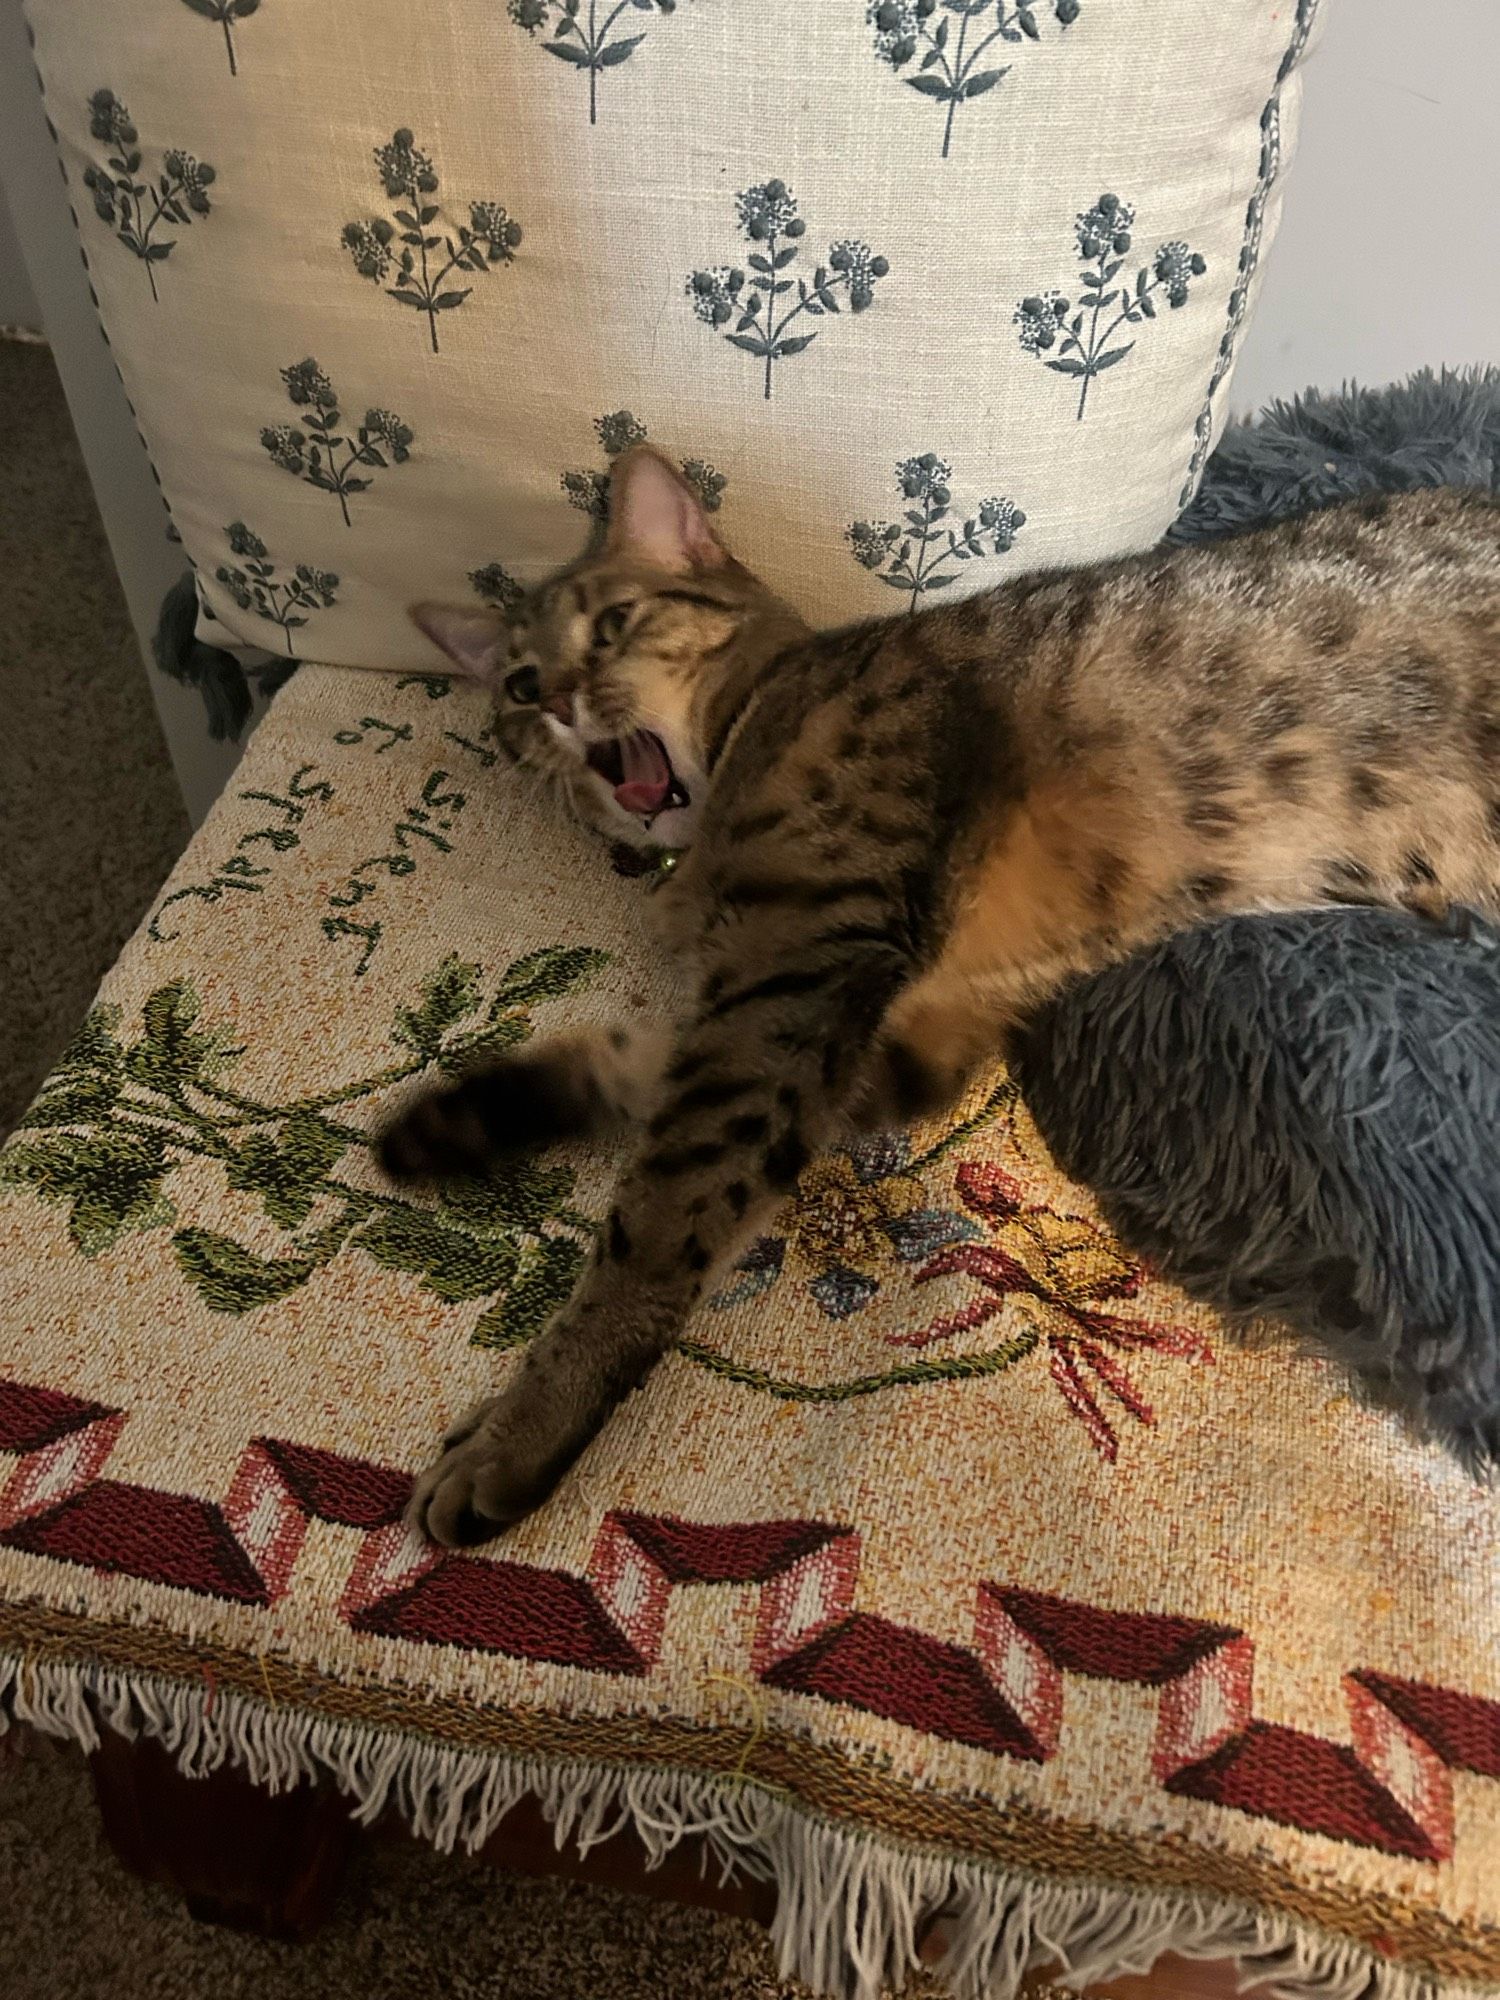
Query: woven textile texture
{"x": 953, "y": 1564}
{"x": 916, "y": 294}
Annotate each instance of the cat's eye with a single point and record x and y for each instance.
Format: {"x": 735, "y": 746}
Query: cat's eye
{"x": 610, "y": 623}
{"x": 524, "y": 686}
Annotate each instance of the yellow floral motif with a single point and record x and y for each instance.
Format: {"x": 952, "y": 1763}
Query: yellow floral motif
{"x": 1066, "y": 1277}
{"x": 1067, "y": 1256}
{"x": 858, "y": 1217}
{"x": 839, "y": 1219}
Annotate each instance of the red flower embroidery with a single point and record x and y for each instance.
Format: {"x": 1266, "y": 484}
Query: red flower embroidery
{"x": 1069, "y": 1271}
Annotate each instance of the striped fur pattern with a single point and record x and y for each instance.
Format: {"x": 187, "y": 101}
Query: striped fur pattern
{"x": 901, "y": 836}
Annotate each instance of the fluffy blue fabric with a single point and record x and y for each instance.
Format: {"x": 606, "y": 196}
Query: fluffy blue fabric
{"x": 1431, "y": 430}
{"x": 1297, "y": 1116}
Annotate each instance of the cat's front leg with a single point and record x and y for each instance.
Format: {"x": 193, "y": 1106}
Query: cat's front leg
{"x": 503, "y": 1459}
{"x": 585, "y": 1085}
{"x": 663, "y": 1240}
{"x": 754, "y": 1088}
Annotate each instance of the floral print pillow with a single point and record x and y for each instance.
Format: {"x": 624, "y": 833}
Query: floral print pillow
{"x": 919, "y": 293}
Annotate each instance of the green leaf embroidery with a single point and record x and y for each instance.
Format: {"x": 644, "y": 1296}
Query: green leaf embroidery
{"x": 547, "y": 975}
{"x": 111, "y": 1181}
{"x": 169, "y": 1054}
{"x": 68, "y": 1100}
{"x": 541, "y": 1286}
{"x": 514, "y": 1194}
{"x": 86, "y": 1080}
{"x": 480, "y": 1046}
{"x": 448, "y": 995}
{"x": 288, "y": 1169}
{"x": 452, "y": 1264}
{"x": 142, "y": 1107}
{"x": 231, "y": 1279}
{"x": 97, "y": 1042}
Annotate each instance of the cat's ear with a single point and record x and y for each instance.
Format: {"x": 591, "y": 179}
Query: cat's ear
{"x": 474, "y": 640}
{"x": 656, "y": 517}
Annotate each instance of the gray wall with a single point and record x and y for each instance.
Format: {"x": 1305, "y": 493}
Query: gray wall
{"x": 1387, "y": 258}
{"x": 18, "y": 306}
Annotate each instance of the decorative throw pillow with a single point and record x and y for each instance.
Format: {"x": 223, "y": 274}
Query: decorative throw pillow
{"x": 919, "y": 292}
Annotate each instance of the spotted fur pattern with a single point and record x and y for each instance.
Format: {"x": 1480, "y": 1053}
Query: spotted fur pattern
{"x": 903, "y": 835}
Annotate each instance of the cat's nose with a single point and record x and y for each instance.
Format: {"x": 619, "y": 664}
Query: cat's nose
{"x": 560, "y": 705}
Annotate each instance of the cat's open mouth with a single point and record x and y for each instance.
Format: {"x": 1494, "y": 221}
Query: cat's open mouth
{"x": 639, "y": 771}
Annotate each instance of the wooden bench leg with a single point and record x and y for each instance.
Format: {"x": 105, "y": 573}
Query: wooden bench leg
{"x": 237, "y": 1855}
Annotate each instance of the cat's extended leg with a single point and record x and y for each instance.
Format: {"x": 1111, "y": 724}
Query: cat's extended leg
{"x": 756, "y": 1084}
{"x": 575, "y": 1086}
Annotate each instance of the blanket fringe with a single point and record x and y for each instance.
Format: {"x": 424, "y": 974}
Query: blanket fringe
{"x": 851, "y": 1910}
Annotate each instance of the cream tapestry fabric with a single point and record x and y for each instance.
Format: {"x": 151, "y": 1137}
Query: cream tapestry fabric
{"x": 919, "y": 292}
{"x": 953, "y": 1569}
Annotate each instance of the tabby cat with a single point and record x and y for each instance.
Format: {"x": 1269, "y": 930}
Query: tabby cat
{"x": 897, "y": 838}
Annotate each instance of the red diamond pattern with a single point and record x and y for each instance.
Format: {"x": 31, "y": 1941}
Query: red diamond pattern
{"x": 1388, "y": 1788}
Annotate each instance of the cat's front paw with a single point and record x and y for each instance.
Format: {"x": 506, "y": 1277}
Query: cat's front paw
{"x": 519, "y": 1103}
{"x": 483, "y": 1482}
{"x": 441, "y": 1132}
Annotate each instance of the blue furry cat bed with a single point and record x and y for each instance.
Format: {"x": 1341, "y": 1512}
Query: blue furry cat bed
{"x": 1299, "y": 1116}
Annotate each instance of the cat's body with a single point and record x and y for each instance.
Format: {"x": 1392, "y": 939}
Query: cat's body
{"x": 901, "y": 836}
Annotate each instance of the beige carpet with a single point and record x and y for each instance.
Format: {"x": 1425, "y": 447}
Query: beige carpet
{"x": 90, "y": 822}
{"x": 411, "y": 1925}
{"x": 90, "y": 818}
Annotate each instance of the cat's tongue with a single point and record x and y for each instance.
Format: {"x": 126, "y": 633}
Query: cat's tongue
{"x": 648, "y": 774}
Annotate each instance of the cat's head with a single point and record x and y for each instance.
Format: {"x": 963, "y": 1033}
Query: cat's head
{"x": 635, "y": 657}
